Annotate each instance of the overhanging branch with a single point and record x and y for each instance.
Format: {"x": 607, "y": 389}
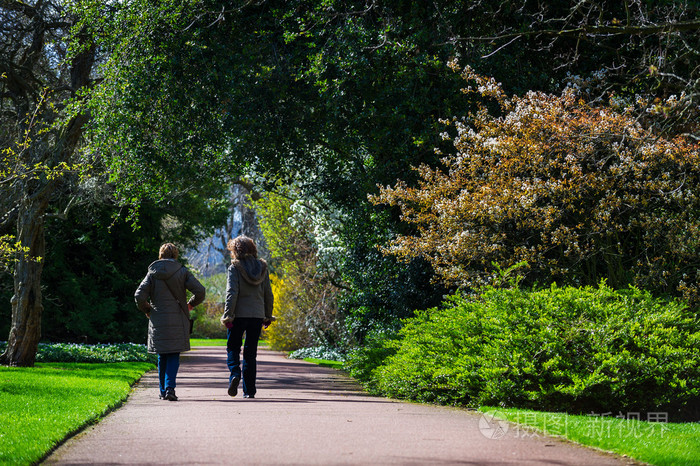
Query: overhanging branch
{"x": 595, "y": 30}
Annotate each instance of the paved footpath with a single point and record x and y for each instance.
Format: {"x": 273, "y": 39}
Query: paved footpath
{"x": 303, "y": 414}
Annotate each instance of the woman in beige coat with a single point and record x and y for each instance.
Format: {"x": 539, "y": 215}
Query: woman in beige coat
{"x": 162, "y": 297}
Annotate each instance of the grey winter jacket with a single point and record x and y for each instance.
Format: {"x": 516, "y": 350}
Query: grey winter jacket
{"x": 248, "y": 290}
{"x": 169, "y": 326}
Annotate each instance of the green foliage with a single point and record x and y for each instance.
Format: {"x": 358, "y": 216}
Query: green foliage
{"x": 362, "y": 361}
{"x": 41, "y": 406}
{"x": 297, "y": 234}
{"x": 206, "y": 315}
{"x": 102, "y": 353}
{"x": 95, "y": 262}
{"x": 657, "y": 443}
{"x": 561, "y": 349}
{"x": 337, "y": 94}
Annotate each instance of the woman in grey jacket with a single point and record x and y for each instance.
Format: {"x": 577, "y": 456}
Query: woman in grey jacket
{"x": 248, "y": 307}
{"x": 162, "y": 297}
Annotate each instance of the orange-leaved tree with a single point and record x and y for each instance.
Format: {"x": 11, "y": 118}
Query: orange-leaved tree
{"x": 580, "y": 192}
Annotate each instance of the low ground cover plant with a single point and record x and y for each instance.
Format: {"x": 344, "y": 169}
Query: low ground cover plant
{"x": 318, "y": 352}
{"x": 575, "y": 350}
{"x": 42, "y": 405}
{"x": 77, "y": 352}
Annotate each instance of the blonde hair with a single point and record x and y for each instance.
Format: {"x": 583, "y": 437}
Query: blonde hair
{"x": 242, "y": 247}
{"x": 168, "y": 251}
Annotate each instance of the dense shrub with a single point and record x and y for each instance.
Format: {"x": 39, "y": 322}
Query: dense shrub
{"x": 564, "y": 349}
{"x": 74, "y": 352}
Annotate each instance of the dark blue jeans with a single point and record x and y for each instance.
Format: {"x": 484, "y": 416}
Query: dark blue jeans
{"x": 252, "y": 328}
{"x": 168, "y": 364}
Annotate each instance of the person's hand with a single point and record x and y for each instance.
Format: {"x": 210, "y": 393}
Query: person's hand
{"x": 189, "y": 307}
{"x": 148, "y": 314}
{"x": 267, "y": 322}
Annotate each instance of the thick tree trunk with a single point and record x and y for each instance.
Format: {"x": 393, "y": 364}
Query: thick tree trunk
{"x": 27, "y": 307}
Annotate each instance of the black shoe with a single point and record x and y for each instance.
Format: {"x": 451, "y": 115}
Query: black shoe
{"x": 248, "y": 396}
{"x": 161, "y": 396}
{"x": 233, "y": 386}
{"x": 170, "y": 395}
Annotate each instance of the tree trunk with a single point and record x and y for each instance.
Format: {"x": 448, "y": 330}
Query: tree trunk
{"x": 27, "y": 307}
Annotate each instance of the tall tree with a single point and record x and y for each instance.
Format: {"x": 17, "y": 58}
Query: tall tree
{"x": 41, "y": 137}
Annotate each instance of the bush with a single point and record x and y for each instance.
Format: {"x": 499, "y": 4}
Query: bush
{"x": 290, "y": 331}
{"x": 207, "y": 323}
{"x": 74, "y": 352}
{"x": 581, "y": 192}
{"x": 560, "y": 349}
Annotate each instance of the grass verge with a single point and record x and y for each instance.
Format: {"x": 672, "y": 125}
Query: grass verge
{"x": 40, "y": 406}
{"x": 326, "y": 363}
{"x": 207, "y": 342}
{"x": 657, "y": 443}
{"x": 215, "y": 342}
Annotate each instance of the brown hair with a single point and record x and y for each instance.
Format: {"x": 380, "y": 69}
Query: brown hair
{"x": 242, "y": 247}
{"x": 168, "y": 251}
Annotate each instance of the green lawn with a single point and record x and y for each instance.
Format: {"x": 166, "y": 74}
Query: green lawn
{"x": 215, "y": 342}
{"x": 326, "y": 363}
{"x": 40, "y": 406}
{"x": 207, "y": 342}
{"x": 657, "y": 443}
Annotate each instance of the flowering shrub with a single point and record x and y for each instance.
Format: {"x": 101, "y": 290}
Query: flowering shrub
{"x": 74, "y": 352}
{"x": 290, "y": 331}
{"x": 300, "y": 240}
{"x": 563, "y": 349}
{"x": 579, "y": 192}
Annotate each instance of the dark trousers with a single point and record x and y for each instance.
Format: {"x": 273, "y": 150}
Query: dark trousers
{"x": 252, "y": 328}
{"x": 168, "y": 364}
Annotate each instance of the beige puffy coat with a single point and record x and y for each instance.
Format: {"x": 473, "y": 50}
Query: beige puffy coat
{"x": 169, "y": 326}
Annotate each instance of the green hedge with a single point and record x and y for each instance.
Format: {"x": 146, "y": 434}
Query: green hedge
{"x": 559, "y": 349}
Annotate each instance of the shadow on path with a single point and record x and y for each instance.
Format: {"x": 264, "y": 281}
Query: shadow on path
{"x": 302, "y": 414}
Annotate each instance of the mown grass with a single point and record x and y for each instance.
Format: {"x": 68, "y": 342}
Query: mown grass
{"x": 42, "y": 405}
{"x": 657, "y": 443}
{"x": 207, "y": 342}
{"x": 215, "y": 342}
{"x": 326, "y": 363}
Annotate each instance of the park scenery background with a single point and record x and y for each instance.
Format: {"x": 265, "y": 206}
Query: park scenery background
{"x": 473, "y": 203}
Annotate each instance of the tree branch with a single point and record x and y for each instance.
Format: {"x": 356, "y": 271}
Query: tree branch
{"x": 596, "y": 30}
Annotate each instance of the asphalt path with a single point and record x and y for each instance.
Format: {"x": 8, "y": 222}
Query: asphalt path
{"x": 302, "y": 414}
